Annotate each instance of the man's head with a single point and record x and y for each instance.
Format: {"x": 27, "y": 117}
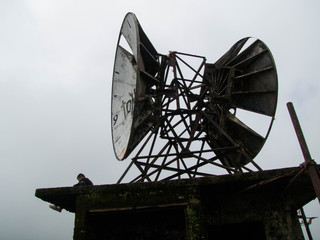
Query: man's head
{"x": 80, "y": 176}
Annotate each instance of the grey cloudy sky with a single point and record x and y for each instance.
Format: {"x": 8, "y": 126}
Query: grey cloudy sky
{"x": 56, "y": 62}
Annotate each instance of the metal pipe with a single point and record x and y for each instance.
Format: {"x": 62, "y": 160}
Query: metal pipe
{"x": 311, "y": 166}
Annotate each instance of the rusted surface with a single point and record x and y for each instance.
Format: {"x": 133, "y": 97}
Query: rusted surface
{"x": 181, "y": 112}
{"x": 195, "y": 126}
{"x": 310, "y": 164}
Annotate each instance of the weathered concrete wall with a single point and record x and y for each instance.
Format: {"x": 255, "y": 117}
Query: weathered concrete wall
{"x": 136, "y": 201}
{"x": 251, "y": 206}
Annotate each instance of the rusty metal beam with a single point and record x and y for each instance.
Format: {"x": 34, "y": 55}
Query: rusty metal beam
{"x": 309, "y": 162}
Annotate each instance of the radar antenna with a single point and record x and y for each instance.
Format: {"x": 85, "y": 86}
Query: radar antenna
{"x": 182, "y": 117}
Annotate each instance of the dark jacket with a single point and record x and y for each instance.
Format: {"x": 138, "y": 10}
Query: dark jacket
{"x": 84, "y": 182}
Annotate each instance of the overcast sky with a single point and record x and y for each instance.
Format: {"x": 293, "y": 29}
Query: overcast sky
{"x": 56, "y": 62}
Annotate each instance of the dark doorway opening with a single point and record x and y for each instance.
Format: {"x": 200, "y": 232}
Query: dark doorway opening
{"x": 149, "y": 223}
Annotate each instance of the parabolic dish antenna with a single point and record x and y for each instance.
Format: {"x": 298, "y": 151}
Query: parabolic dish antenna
{"x": 182, "y": 113}
{"x": 133, "y": 51}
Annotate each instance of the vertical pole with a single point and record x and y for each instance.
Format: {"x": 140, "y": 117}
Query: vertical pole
{"x": 310, "y": 164}
{"x": 305, "y": 223}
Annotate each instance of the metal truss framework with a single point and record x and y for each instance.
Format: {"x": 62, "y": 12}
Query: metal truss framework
{"x": 195, "y": 127}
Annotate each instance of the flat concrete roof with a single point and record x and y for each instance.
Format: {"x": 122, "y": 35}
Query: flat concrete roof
{"x": 286, "y": 182}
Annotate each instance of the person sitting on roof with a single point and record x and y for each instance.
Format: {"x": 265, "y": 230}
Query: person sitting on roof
{"x": 82, "y": 181}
